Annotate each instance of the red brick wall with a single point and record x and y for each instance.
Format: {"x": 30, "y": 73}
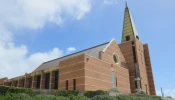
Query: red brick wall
{"x": 142, "y": 66}
{"x": 2, "y": 80}
{"x": 126, "y": 49}
{"x": 149, "y": 70}
{"x": 97, "y": 74}
{"x": 143, "y": 62}
{"x": 102, "y": 69}
{"x": 72, "y": 68}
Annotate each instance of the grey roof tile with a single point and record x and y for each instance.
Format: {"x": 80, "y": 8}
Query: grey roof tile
{"x": 93, "y": 51}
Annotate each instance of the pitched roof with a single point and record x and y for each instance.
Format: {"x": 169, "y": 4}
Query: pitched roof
{"x": 93, "y": 51}
{"x": 129, "y": 28}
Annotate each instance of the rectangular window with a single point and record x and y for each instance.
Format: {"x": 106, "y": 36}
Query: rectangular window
{"x": 136, "y": 71}
{"x": 16, "y": 83}
{"x": 136, "y": 85}
{"x": 113, "y": 79}
{"x": 38, "y": 81}
{"x": 30, "y": 82}
{"x": 56, "y": 79}
{"x": 10, "y": 84}
{"x": 74, "y": 84}
{"x": 116, "y": 82}
{"x": 127, "y": 38}
{"x": 47, "y": 81}
{"x": 23, "y": 81}
{"x": 66, "y": 84}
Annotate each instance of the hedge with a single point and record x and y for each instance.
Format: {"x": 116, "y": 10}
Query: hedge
{"x": 66, "y": 93}
{"x": 91, "y": 94}
{"x": 5, "y": 89}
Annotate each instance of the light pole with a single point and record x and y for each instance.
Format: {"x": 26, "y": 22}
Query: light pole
{"x": 162, "y": 92}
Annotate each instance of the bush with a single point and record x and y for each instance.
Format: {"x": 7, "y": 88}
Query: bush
{"x": 3, "y": 90}
{"x": 21, "y": 96}
{"x": 33, "y": 92}
{"x": 157, "y": 98}
{"x": 8, "y": 96}
{"x": 40, "y": 97}
{"x": 91, "y": 94}
{"x": 72, "y": 97}
{"x": 142, "y": 92}
{"x": 104, "y": 97}
{"x": 61, "y": 98}
{"x": 66, "y": 93}
{"x": 114, "y": 90}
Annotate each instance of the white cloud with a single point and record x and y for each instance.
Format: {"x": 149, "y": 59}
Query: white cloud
{"x": 32, "y": 14}
{"x": 110, "y": 2}
{"x": 167, "y": 92}
{"x": 35, "y": 13}
{"x": 14, "y": 60}
{"x": 71, "y": 49}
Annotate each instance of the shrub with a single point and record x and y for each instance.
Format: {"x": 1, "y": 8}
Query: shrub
{"x": 3, "y": 90}
{"x": 142, "y": 92}
{"x": 21, "y": 96}
{"x": 104, "y": 97}
{"x": 72, "y": 97}
{"x": 66, "y": 93}
{"x": 62, "y": 98}
{"x": 91, "y": 94}
{"x": 40, "y": 97}
{"x": 157, "y": 98}
{"x": 33, "y": 92}
{"x": 168, "y": 97}
{"x": 114, "y": 90}
{"x": 8, "y": 96}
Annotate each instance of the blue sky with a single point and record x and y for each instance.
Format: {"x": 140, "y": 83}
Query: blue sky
{"x": 36, "y": 31}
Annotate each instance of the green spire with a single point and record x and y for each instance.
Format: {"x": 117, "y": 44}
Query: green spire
{"x": 129, "y": 30}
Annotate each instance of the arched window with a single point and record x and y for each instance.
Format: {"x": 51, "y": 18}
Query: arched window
{"x": 115, "y": 58}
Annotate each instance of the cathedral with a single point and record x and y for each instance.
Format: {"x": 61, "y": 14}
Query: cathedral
{"x": 125, "y": 65}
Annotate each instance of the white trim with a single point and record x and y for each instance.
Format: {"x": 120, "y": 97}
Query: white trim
{"x": 108, "y": 44}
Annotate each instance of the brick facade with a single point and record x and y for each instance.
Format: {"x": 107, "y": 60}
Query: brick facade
{"x": 126, "y": 66}
{"x": 85, "y": 72}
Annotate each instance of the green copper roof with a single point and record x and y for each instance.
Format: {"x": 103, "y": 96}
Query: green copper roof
{"x": 129, "y": 30}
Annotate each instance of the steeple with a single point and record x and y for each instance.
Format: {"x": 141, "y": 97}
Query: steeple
{"x": 129, "y": 30}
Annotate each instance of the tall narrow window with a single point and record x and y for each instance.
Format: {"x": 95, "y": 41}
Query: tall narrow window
{"x": 23, "y": 81}
{"x": 66, "y": 84}
{"x": 116, "y": 82}
{"x": 47, "y": 81}
{"x": 136, "y": 85}
{"x": 113, "y": 79}
{"x": 56, "y": 79}
{"x": 127, "y": 38}
{"x": 16, "y": 83}
{"x": 134, "y": 53}
{"x": 115, "y": 58}
{"x": 74, "y": 84}
{"x": 10, "y": 84}
{"x": 38, "y": 82}
{"x": 136, "y": 71}
{"x": 30, "y": 82}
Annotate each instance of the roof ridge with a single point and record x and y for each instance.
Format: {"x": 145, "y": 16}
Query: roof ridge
{"x": 76, "y": 52}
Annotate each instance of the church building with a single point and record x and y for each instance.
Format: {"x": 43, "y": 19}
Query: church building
{"x": 125, "y": 65}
